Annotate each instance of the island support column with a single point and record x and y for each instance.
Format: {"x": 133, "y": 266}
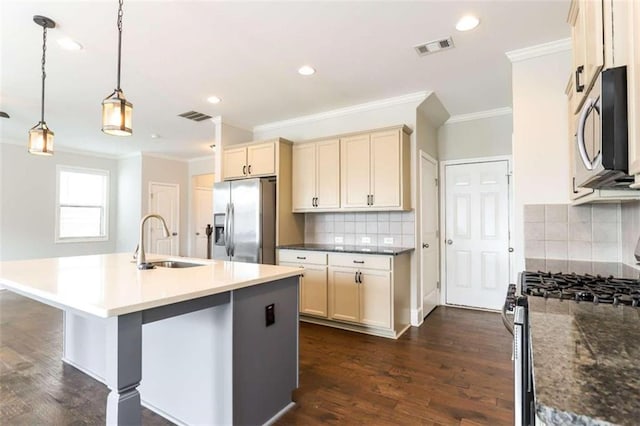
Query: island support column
{"x": 124, "y": 369}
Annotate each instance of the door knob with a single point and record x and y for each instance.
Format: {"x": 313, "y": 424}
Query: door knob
{"x": 197, "y": 233}
{"x": 449, "y": 242}
{"x": 510, "y": 249}
{"x": 425, "y": 245}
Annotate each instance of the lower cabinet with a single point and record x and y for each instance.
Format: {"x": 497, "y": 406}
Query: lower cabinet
{"x": 368, "y": 293}
{"x": 360, "y": 295}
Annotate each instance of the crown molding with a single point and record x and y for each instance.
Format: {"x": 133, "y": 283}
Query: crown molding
{"x": 539, "y": 50}
{"x": 368, "y": 106}
{"x": 479, "y": 115}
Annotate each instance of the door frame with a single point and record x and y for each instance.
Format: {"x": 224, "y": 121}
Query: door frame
{"x": 443, "y": 209}
{"x": 177, "y": 187}
{"x": 419, "y": 320}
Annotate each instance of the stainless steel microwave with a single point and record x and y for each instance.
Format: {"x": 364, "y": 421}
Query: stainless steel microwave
{"x": 601, "y": 154}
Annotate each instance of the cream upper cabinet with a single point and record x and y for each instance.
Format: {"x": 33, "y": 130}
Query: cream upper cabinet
{"x": 261, "y": 159}
{"x": 355, "y": 171}
{"x": 234, "y": 163}
{"x": 586, "y": 20}
{"x": 316, "y": 176}
{"x": 633, "y": 90}
{"x": 249, "y": 161}
{"x": 328, "y": 174}
{"x": 375, "y": 170}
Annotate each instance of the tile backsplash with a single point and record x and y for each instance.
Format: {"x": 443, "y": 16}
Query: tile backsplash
{"x": 564, "y": 232}
{"x": 630, "y": 230}
{"x": 362, "y": 229}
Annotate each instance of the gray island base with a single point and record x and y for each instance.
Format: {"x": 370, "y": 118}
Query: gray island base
{"x": 211, "y": 360}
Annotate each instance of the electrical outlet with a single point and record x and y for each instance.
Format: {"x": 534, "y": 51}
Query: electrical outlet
{"x": 338, "y": 240}
{"x": 270, "y": 315}
{"x": 366, "y": 240}
{"x": 388, "y": 241}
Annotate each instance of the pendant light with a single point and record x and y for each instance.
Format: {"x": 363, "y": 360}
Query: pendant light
{"x": 40, "y": 136}
{"x": 116, "y": 111}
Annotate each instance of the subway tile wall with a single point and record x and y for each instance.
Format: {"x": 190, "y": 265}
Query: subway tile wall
{"x": 564, "y": 232}
{"x": 381, "y": 228}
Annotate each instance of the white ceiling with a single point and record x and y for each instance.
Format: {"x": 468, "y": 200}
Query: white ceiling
{"x": 177, "y": 53}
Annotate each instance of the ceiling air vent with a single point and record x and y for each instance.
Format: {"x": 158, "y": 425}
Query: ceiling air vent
{"x": 434, "y": 46}
{"x": 194, "y": 115}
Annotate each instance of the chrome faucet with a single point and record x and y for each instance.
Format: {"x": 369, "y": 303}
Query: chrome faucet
{"x": 141, "y": 260}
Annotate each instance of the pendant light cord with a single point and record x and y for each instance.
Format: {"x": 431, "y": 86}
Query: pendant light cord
{"x": 119, "y": 40}
{"x": 44, "y": 74}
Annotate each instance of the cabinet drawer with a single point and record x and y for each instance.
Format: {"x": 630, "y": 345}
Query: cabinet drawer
{"x": 360, "y": 261}
{"x": 303, "y": 257}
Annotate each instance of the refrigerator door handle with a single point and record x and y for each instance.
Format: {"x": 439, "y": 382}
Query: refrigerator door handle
{"x": 227, "y": 234}
{"x": 232, "y": 245}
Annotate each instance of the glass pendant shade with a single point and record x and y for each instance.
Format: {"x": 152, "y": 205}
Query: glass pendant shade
{"x": 41, "y": 140}
{"x": 116, "y": 115}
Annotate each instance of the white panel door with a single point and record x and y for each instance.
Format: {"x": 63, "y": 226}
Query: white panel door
{"x": 477, "y": 234}
{"x": 164, "y": 199}
{"x": 429, "y": 233}
{"x": 202, "y": 216}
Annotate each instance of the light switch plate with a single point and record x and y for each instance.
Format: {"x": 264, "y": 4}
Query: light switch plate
{"x": 366, "y": 240}
{"x": 388, "y": 241}
{"x": 338, "y": 240}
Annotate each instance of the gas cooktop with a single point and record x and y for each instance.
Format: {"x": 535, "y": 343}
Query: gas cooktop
{"x": 589, "y": 288}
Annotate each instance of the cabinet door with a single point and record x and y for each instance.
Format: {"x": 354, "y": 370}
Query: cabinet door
{"x": 633, "y": 79}
{"x": 303, "y": 179}
{"x": 385, "y": 168}
{"x": 234, "y": 161}
{"x": 313, "y": 291}
{"x": 344, "y": 296}
{"x": 375, "y": 298}
{"x": 354, "y": 166}
{"x": 328, "y": 174}
{"x": 261, "y": 159}
{"x": 594, "y": 49}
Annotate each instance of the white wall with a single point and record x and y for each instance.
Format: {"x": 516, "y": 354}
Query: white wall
{"x": 162, "y": 170}
{"x": 28, "y": 182}
{"x": 129, "y": 202}
{"x": 540, "y": 150}
{"x": 484, "y": 137}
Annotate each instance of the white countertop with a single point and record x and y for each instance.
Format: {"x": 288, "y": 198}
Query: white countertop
{"x": 108, "y": 285}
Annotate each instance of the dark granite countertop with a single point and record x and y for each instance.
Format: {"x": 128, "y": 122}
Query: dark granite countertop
{"x": 617, "y": 269}
{"x": 586, "y": 362}
{"x": 393, "y": 251}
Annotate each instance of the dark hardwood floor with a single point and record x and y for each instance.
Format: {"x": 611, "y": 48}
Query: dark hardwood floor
{"x": 454, "y": 370}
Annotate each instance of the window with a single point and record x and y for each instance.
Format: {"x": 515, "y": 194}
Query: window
{"x": 82, "y": 204}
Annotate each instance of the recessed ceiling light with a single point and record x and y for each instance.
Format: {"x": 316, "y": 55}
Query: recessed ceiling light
{"x": 467, "y": 22}
{"x": 69, "y": 44}
{"x": 155, "y": 136}
{"x": 306, "y": 70}
{"x": 214, "y": 100}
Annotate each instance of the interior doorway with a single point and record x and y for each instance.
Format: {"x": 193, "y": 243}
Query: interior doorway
{"x": 164, "y": 199}
{"x": 201, "y": 213}
{"x": 476, "y": 232}
{"x": 428, "y": 244}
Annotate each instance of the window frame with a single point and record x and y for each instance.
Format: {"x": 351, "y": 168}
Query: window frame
{"x": 105, "y": 217}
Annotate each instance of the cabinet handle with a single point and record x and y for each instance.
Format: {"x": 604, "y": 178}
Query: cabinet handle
{"x": 316, "y": 201}
{"x": 249, "y": 169}
{"x": 579, "y": 87}
{"x": 301, "y": 257}
{"x": 360, "y": 277}
{"x": 425, "y": 245}
{"x": 368, "y": 199}
{"x": 361, "y": 262}
{"x": 244, "y": 170}
{"x": 355, "y": 278}
{"x": 574, "y": 185}
{"x": 372, "y": 199}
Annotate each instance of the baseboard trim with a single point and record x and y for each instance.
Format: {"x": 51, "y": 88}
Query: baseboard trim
{"x": 280, "y": 413}
{"x": 389, "y": 334}
{"x": 417, "y": 318}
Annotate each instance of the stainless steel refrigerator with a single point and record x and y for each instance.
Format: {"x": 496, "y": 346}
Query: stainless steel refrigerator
{"x": 244, "y": 217}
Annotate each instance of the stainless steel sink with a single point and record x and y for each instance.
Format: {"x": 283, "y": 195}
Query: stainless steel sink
{"x": 174, "y": 264}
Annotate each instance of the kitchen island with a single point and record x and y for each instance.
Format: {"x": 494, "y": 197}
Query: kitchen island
{"x": 214, "y": 343}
